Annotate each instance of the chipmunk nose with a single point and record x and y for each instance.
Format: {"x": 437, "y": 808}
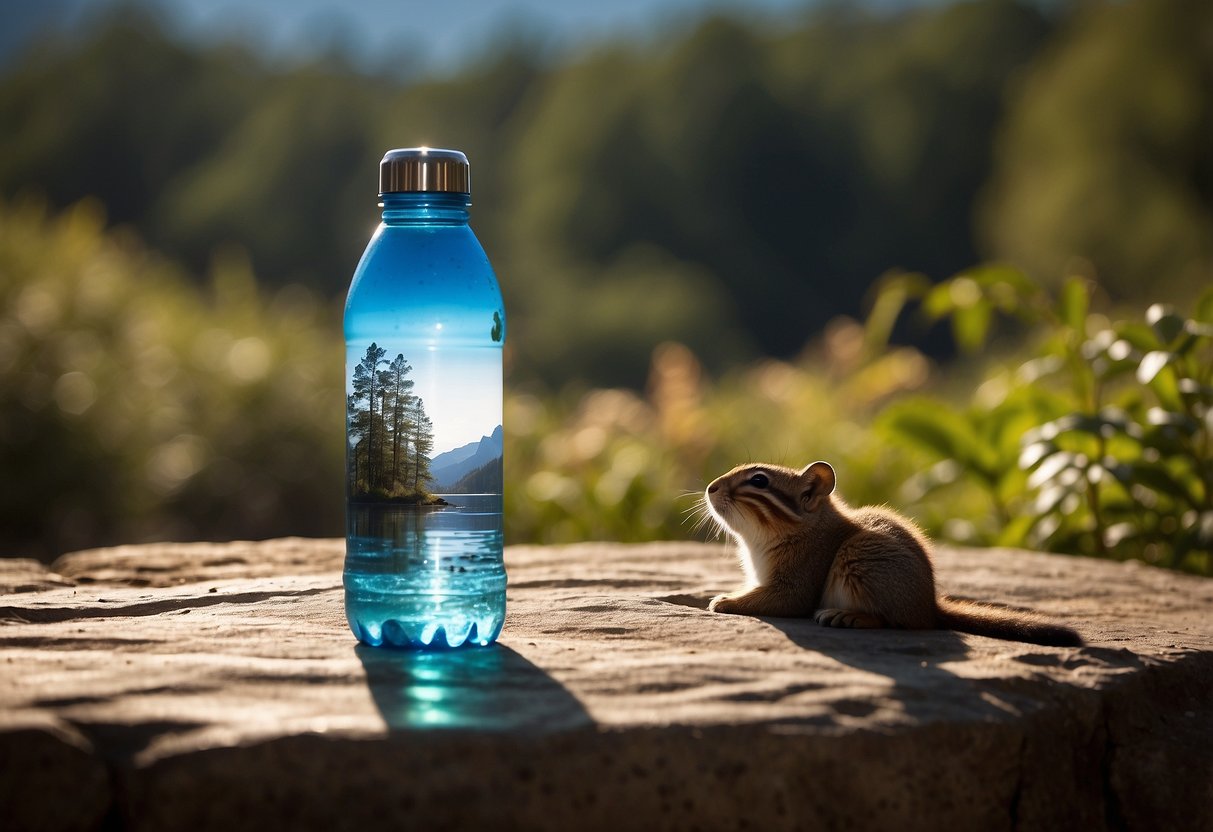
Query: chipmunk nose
{"x": 713, "y": 488}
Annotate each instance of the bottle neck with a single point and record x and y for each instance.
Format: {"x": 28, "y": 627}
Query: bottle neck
{"x": 425, "y": 208}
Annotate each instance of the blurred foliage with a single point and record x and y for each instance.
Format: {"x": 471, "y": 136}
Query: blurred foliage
{"x": 201, "y": 146}
{"x": 1107, "y": 154}
{"x": 790, "y": 173}
{"x": 1097, "y": 438}
{"x": 616, "y": 464}
{"x": 661, "y": 217}
{"x": 136, "y": 406}
{"x": 733, "y": 188}
{"x": 1098, "y": 441}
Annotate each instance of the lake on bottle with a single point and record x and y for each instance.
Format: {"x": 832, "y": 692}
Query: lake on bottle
{"x": 426, "y": 576}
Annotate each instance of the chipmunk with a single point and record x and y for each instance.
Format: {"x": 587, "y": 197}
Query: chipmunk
{"x": 805, "y": 553}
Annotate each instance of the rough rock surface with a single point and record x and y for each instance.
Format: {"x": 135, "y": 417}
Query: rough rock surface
{"x": 216, "y": 686}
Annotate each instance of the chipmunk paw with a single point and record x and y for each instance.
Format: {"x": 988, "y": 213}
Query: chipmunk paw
{"x": 849, "y": 618}
{"x": 834, "y": 618}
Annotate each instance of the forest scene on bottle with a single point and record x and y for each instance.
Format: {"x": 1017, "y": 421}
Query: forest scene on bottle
{"x": 391, "y": 438}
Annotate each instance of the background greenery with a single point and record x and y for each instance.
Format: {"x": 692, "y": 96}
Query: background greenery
{"x": 711, "y": 250}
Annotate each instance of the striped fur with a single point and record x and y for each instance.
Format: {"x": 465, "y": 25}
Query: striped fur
{"x": 806, "y": 553}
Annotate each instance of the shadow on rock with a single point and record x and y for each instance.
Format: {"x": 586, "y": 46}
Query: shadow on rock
{"x": 913, "y": 660}
{"x": 483, "y": 688}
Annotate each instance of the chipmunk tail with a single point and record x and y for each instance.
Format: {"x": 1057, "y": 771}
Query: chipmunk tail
{"x": 999, "y": 622}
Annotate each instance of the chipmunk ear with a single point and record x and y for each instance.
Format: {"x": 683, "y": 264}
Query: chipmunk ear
{"x": 817, "y": 483}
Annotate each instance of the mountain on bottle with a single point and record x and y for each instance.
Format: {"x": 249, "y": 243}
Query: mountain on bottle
{"x": 447, "y": 469}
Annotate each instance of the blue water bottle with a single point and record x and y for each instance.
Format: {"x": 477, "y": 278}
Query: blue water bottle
{"x": 424, "y": 328}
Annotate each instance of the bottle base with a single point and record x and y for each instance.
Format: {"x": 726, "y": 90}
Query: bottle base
{"x": 426, "y": 623}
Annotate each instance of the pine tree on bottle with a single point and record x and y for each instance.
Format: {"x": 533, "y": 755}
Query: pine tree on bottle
{"x": 366, "y": 424}
{"x": 398, "y": 398}
{"x": 423, "y": 444}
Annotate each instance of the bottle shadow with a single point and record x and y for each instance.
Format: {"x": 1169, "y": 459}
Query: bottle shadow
{"x": 491, "y": 688}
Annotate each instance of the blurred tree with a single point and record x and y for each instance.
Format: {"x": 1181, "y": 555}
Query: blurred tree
{"x": 478, "y": 111}
{"x": 733, "y": 190}
{"x": 1107, "y": 154}
{"x": 783, "y": 174}
{"x": 198, "y": 146}
{"x": 280, "y": 183}
{"x": 120, "y": 115}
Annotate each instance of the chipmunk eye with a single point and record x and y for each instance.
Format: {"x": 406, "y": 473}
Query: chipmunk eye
{"x": 759, "y": 481}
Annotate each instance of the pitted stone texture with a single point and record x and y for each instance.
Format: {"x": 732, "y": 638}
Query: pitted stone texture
{"x": 217, "y": 687}
{"x": 170, "y": 564}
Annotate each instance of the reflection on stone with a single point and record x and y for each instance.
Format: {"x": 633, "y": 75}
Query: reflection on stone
{"x": 491, "y": 688}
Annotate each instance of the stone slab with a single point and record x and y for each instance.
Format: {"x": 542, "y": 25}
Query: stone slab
{"x": 27, "y": 575}
{"x": 216, "y": 686}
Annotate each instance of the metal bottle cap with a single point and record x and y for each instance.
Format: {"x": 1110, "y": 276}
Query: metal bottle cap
{"x": 424, "y": 169}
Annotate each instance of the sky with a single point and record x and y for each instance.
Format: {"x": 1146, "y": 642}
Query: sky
{"x": 456, "y": 369}
{"x": 434, "y": 37}
{"x": 460, "y": 388}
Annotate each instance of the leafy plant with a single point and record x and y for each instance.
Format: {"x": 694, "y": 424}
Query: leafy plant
{"x": 620, "y": 465}
{"x": 135, "y": 406}
{"x": 1099, "y": 443}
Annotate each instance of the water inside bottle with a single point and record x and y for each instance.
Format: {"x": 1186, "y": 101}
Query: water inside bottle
{"x": 426, "y": 576}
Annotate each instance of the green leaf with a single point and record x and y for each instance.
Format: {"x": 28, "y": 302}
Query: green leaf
{"x": 1186, "y": 342}
{"x": 1075, "y": 301}
{"x": 1098, "y": 345}
{"x": 1107, "y": 370}
{"x": 938, "y": 302}
{"x": 1121, "y": 472}
{"x": 1007, "y": 288}
{"x": 1166, "y": 387}
{"x": 970, "y": 324}
{"x": 1049, "y": 430}
{"x": 1158, "y": 478}
{"x": 1034, "y": 453}
{"x": 939, "y": 429}
{"x": 1139, "y": 335}
{"x": 1075, "y": 423}
{"x": 940, "y": 436}
{"x": 1050, "y": 498}
{"x": 1199, "y": 328}
{"x": 1116, "y": 420}
{"x": 1015, "y": 533}
{"x": 1051, "y": 467}
{"x": 1178, "y": 420}
{"x": 1151, "y": 365}
{"x": 1204, "y": 306}
{"x": 1116, "y": 534}
{"x": 1166, "y": 324}
{"x": 1038, "y": 368}
{"x": 893, "y": 292}
{"x": 1192, "y": 387}
{"x": 1164, "y": 440}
